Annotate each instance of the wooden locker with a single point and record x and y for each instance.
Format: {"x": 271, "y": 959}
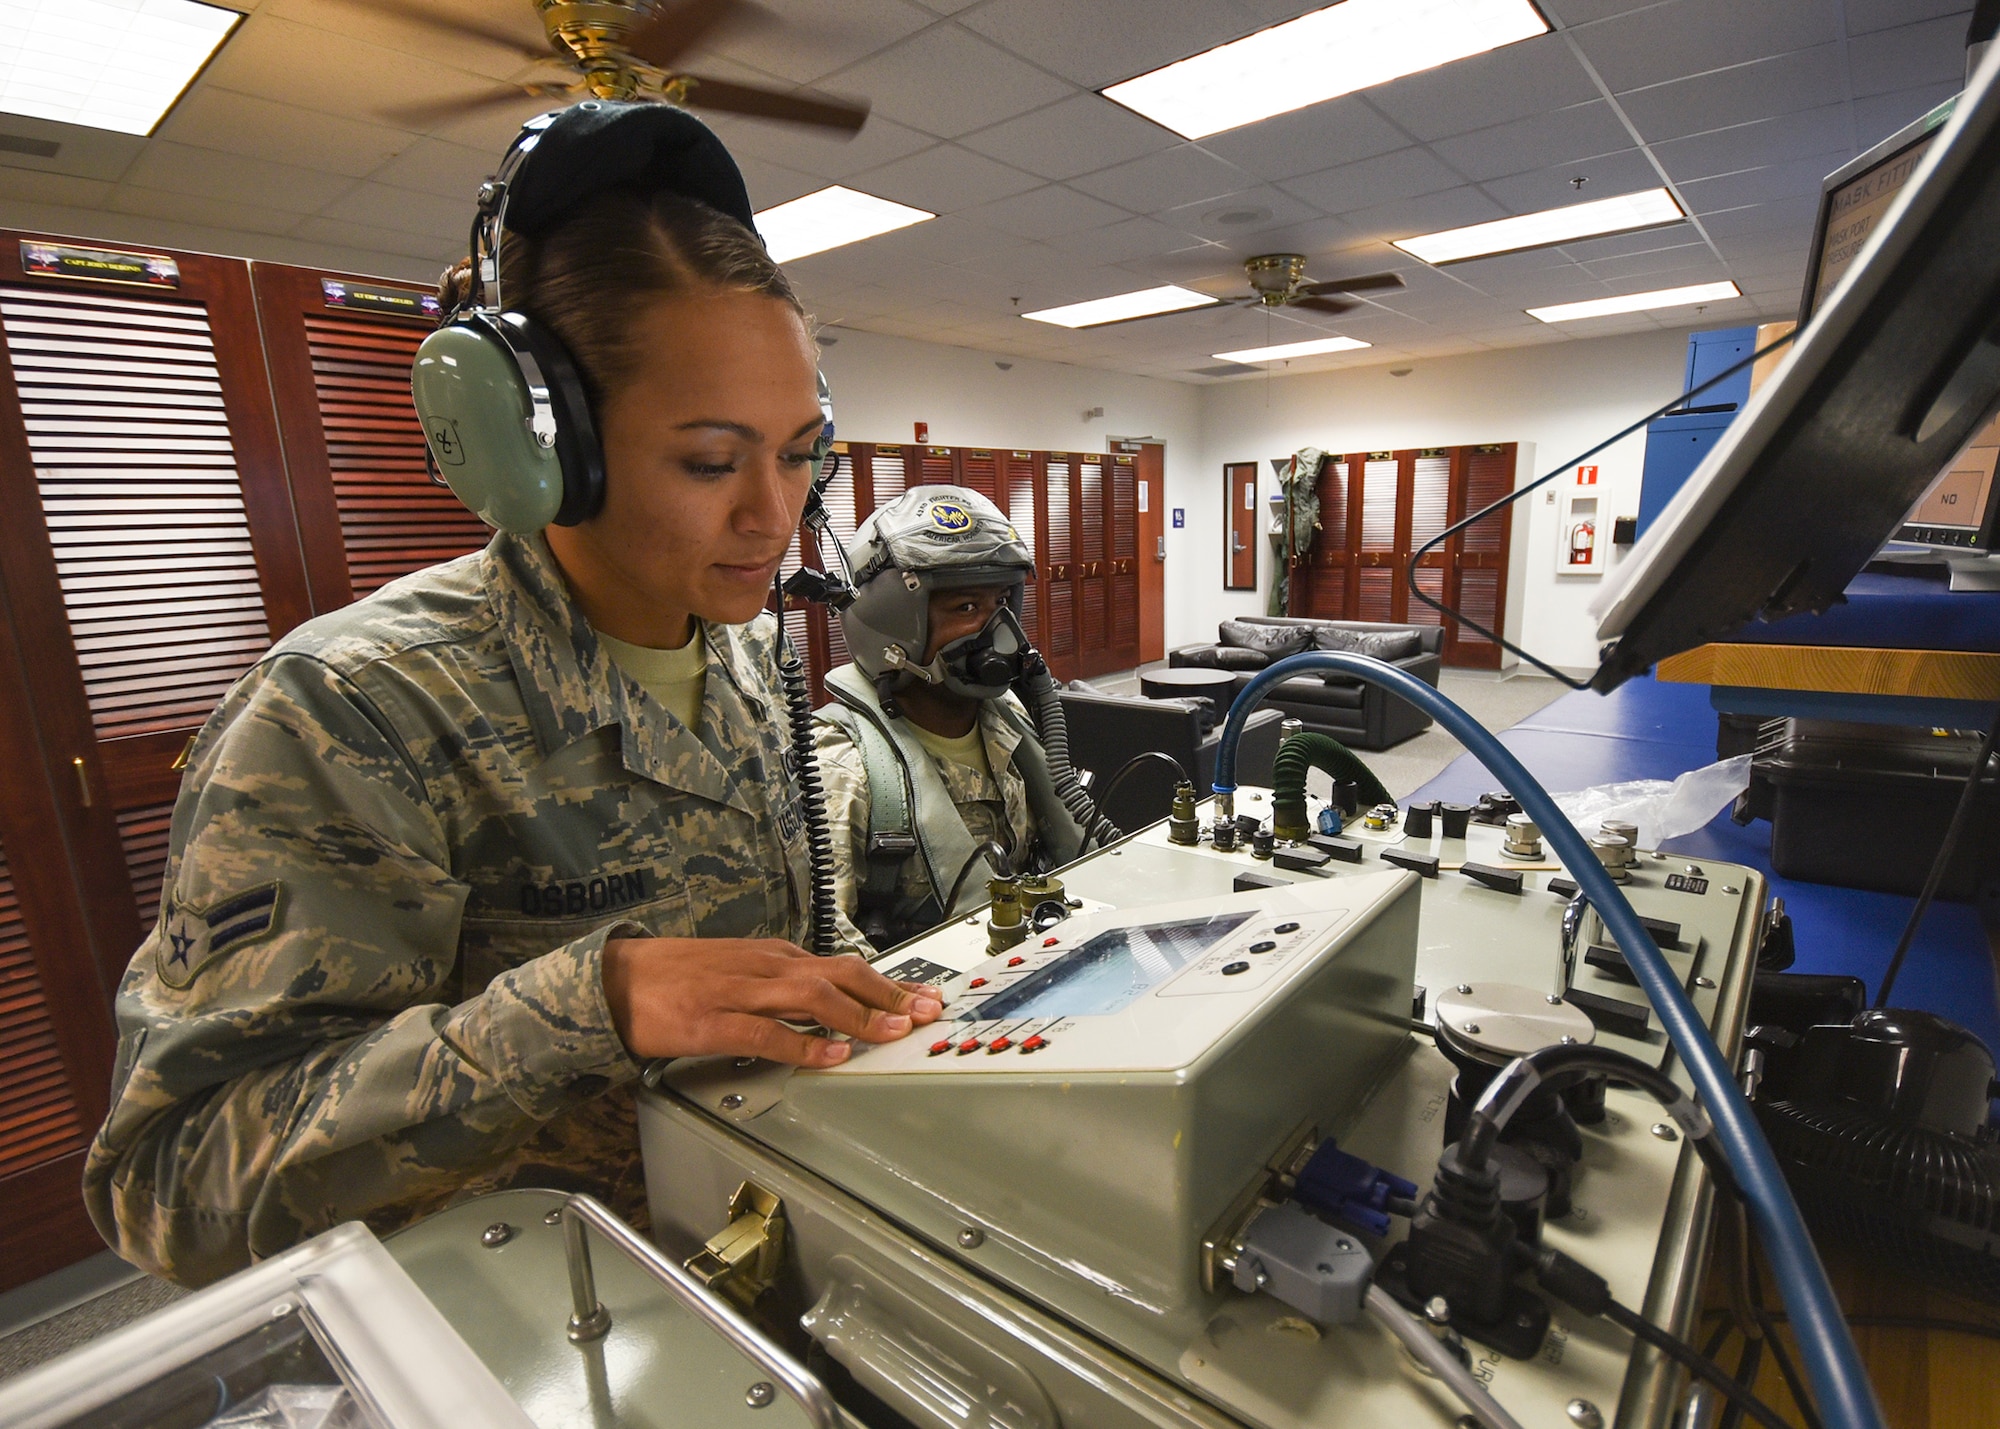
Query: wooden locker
{"x": 1122, "y": 563}
{"x": 1376, "y": 493}
{"x": 1059, "y": 584}
{"x": 1480, "y": 557}
{"x": 340, "y": 373}
{"x": 1093, "y": 586}
{"x": 1022, "y": 497}
{"x": 934, "y": 466}
{"x": 1430, "y": 478}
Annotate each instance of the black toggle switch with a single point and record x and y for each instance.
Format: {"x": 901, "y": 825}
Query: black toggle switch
{"x": 1624, "y": 1018}
{"x": 1346, "y": 850}
{"x": 1505, "y": 880}
{"x": 1563, "y": 887}
{"x": 1301, "y": 860}
{"x": 1425, "y": 864}
{"x": 1250, "y": 882}
{"x": 1611, "y": 963}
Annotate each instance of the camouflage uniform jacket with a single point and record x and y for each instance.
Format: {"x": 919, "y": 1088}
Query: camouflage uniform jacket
{"x": 401, "y": 844}
{"x": 993, "y": 806}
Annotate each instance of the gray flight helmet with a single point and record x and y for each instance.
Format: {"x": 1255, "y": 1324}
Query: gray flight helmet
{"x": 928, "y": 539}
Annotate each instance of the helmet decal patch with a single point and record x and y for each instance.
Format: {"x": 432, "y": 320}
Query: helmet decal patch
{"x": 950, "y": 516}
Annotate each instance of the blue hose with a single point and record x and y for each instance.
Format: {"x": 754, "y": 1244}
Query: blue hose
{"x": 1840, "y": 1383}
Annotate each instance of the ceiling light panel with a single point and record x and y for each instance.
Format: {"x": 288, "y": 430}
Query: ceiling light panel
{"x": 141, "y": 55}
{"x": 831, "y": 218}
{"x": 1649, "y": 208}
{"x": 1293, "y": 349}
{"x": 1345, "y": 47}
{"x": 1638, "y": 302}
{"x": 1120, "y": 307}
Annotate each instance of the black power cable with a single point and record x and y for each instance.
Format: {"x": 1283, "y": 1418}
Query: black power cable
{"x": 1693, "y": 1359}
{"x": 1932, "y": 880}
{"x": 1416, "y": 557}
{"x": 1139, "y": 761}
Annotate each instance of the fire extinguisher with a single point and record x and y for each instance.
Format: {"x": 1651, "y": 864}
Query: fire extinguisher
{"x": 1582, "y": 542}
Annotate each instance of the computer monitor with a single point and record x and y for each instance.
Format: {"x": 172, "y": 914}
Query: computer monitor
{"x": 1960, "y": 511}
{"x": 1896, "y": 372}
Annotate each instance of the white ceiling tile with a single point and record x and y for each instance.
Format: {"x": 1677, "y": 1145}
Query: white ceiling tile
{"x": 1621, "y": 245}
{"x": 1576, "y": 13}
{"x": 315, "y": 68}
{"x": 1106, "y": 41}
{"x": 437, "y": 216}
{"x": 1689, "y": 258}
{"x": 1498, "y": 87}
{"x": 1880, "y": 115}
{"x": 1866, "y": 15}
{"x": 81, "y": 152}
{"x": 1073, "y": 136}
{"x": 215, "y": 118}
{"x": 1311, "y": 236}
{"x": 208, "y": 212}
{"x": 1784, "y": 84}
{"x": 366, "y": 238}
{"x": 1773, "y": 181}
{"x": 1561, "y": 136}
{"x": 30, "y": 186}
{"x": 1134, "y": 239}
{"x": 290, "y": 188}
{"x": 1237, "y": 219}
{"x": 1406, "y": 173}
{"x": 382, "y": 27}
{"x": 1666, "y": 42}
{"x": 1429, "y": 213}
{"x": 435, "y": 167}
{"x": 825, "y": 154}
{"x": 1792, "y": 216}
{"x": 1308, "y": 140}
{"x": 947, "y": 82}
{"x": 1186, "y": 173}
{"x": 945, "y": 179}
{"x": 1045, "y": 212}
{"x": 1827, "y": 129}
{"x": 772, "y": 184}
{"x": 939, "y": 240}
{"x": 1908, "y": 56}
{"x": 1605, "y": 177}
{"x": 801, "y": 40}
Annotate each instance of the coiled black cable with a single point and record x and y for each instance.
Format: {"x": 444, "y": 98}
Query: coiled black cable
{"x": 812, "y": 796}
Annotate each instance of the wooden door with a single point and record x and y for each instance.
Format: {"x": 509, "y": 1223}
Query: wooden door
{"x": 1152, "y": 550}
{"x": 1093, "y": 584}
{"x": 1320, "y": 586}
{"x": 1428, "y": 477}
{"x": 979, "y": 471}
{"x": 935, "y": 466}
{"x": 1059, "y": 585}
{"x": 151, "y": 556}
{"x": 1122, "y": 563}
{"x": 1479, "y": 554}
{"x": 1239, "y": 526}
{"x": 340, "y": 349}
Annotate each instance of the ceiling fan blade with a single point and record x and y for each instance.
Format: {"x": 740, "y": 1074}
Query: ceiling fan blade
{"x": 1367, "y": 283}
{"x": 775, "y": 104}
{"x": 1321, "y": 305}
{"x": 456, "y": 27}
{"x": 433, "y": 111}
{"x": 673, "y": 30}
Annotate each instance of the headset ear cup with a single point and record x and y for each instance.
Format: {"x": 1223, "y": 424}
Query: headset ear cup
{"x": 475, "y": 406}
{"x": 577, "y": 444}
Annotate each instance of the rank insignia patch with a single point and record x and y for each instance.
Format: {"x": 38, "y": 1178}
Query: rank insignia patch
{"x": 193, "y": 938}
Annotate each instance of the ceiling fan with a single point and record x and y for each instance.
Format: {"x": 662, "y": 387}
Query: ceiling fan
{"x": 620, "y": 49}
{"x": 1278, "y": 280}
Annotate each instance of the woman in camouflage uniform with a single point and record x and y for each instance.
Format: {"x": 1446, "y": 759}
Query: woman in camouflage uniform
{"x": 443, "y": 874}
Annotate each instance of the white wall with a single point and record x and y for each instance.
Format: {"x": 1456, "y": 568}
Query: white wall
{"x": 1564, "y": 397}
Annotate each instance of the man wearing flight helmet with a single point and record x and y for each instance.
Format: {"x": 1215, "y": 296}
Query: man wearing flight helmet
{"x": 926, "y": 757}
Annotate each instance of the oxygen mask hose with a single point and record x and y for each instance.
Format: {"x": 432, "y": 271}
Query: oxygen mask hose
{"x": 1839, "y": 1381}
{"x": 1306, "y": 751}
{"x": 1038, "y": 688}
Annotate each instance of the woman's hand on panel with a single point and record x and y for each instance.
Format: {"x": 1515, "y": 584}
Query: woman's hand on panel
{"x": 691, "y": 997}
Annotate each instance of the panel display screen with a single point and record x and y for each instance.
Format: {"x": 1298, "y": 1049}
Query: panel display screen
{"x": 1110, "y": 971}
{"x": 1853, "y": 210}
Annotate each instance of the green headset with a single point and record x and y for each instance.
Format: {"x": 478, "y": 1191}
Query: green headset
{"x": 506, "y": 418}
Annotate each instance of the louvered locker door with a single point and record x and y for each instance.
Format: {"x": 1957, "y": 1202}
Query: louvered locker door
{"x": 978, "y": 471}
{"x": 59, "y": 955}
{"x": 935, "y": 466}
{"x": 1060, "y": 558}
{"x": 1375, "y": 547}
{"x": 1122, "y": 579}
{"x": 886, "y": 476}
{"x": 1020, "y": 485}
{"x": 166, "y": 557}
{"x": 1329, "y": 571}
{"x": 368, "y": 509}
{"x": 1093, "y": 587}
{"x": 1481, "y": 558}
{"x": 1430, "y": 512}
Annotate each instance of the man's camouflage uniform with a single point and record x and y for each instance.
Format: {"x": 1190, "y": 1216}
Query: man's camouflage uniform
{"x": 994, "y": 806}
{"x": 402, "y": 842}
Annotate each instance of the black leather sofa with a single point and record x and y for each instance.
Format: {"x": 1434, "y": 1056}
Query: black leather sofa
{"x": 1106, "y": 731}
{"x": 1359, "y": 716}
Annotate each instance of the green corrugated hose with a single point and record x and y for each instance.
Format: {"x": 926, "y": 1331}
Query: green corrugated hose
{"x": 1305, "y": 751}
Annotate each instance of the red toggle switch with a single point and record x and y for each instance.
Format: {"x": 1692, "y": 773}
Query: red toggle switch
{"x": 977, "y": 982}
{"x": 970, "y": 1044}
{"x": 1015, "y": 962}
{"x": 938, "y": 1049}
{"x": 1033, "y": 1044}
{"x": 1050, "y": 942}
{"x": 1000, "y": 1044}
